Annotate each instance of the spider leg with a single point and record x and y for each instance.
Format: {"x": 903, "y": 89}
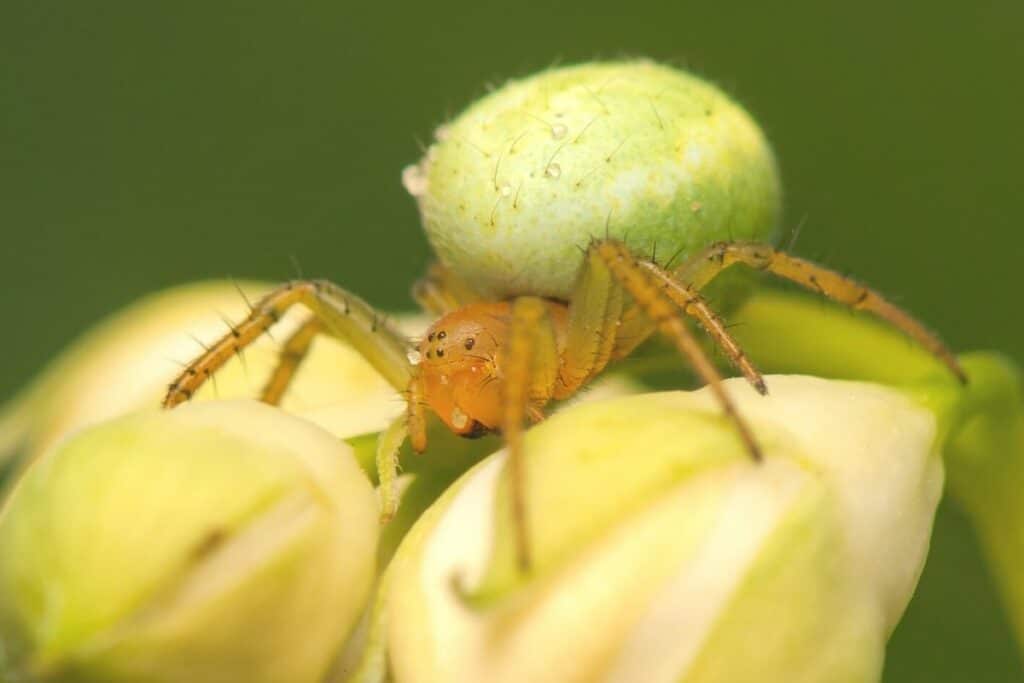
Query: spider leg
{"x": 388, "y": 444}
{"x": 649, "y": 293}
{"x": 695, "y": 305}
{"x": 704, "y": 266}
{"x": 531, "y": 373}
{"x": 339, "y": 314}
{"x": 294, "y": 351}
{"x": 635, "y": 328}
{"x": 416, "y": 417}
{"x": 440, "y": 291}
{"x": 595, "y": 308}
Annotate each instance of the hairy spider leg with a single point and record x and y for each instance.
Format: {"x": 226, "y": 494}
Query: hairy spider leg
{"x": 595, "y": 307}
{"x": 540, "y": 365}
{"x": 293, "y": 352}
{"x": 636, "y": 327}
{"x": 388, "y": 445}
{"x": 531, "y": 372}
{"x": 648, "y": 293}
{"x": 692, "y": 303}
{"x": 552, "y": 357}
{"x": 705, "y": 265}
{"x": 340, "y": 314}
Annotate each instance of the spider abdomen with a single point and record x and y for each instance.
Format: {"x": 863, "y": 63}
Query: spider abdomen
{"x": 634, "y": 150}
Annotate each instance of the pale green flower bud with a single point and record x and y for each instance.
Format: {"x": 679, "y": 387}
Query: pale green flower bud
{"x": 636, "y": 150}
{"x": 223, "y": 541}
{"x": 663, "y": 553}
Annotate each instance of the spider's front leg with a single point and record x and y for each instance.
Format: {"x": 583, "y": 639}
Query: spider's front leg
{"x": 339, "y": 314}
{"x": 703, "y": 267}
{"x": 531, "y": 370}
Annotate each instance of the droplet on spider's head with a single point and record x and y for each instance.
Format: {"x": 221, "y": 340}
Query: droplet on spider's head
{"x": 414, "y": 356}
{"x": 459, "y": 419}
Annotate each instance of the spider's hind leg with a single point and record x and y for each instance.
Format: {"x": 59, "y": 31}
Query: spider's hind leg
{"x": 704, "y": 266}
{"x": 339, "y": 314}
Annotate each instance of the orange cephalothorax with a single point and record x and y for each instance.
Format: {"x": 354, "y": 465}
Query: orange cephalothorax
{"x": 459, "y": 367}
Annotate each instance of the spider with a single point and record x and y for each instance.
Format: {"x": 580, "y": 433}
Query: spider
{"x": 493, "y": 365}
{"x": 507, "y": 342}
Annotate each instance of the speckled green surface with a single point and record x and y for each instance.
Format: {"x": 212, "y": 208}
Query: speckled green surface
{"x": 517, "y": 183}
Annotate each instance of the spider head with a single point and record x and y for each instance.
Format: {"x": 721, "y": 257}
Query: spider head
{"x": 458, "y": 368}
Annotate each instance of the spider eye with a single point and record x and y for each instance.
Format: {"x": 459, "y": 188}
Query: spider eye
{"x": 469, "y": 343}
{"x": 430, "y": 337}
{"x": 442, "y": 334}
{"x": 440, "y": 352}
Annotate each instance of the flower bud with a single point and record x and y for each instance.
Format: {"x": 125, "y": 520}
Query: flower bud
{"x": 635, "y": 150}
{"x": 663, "y": 553}
{"x": 223, "y": 541}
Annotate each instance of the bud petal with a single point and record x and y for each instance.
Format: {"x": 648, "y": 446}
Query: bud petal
{"x": 664, "y": 554}
{"x": 223, "y": 541}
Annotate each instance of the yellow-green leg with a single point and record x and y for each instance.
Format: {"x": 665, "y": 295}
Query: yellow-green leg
{"x": 704, "y": 266}
{"x": 337, "y": 312}
{"x": 649, "y": 293}
{"x": 293, "y": 352}
{"x": 531, "y": 370}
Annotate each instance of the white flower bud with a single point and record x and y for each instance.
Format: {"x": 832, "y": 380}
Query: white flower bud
{"x": 662, "y": 553}
{"x": 223, "y": 541}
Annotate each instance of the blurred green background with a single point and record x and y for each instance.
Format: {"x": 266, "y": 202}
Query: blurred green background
{"x": 145, "y": 144}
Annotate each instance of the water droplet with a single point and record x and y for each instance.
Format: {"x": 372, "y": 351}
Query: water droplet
{"x": 505, "y": 190}
{"x": 459, "y": 419}
{"x": 414, "y": 357}
{"x": 553, "y": 171}
{"x": 559, "y": 130}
